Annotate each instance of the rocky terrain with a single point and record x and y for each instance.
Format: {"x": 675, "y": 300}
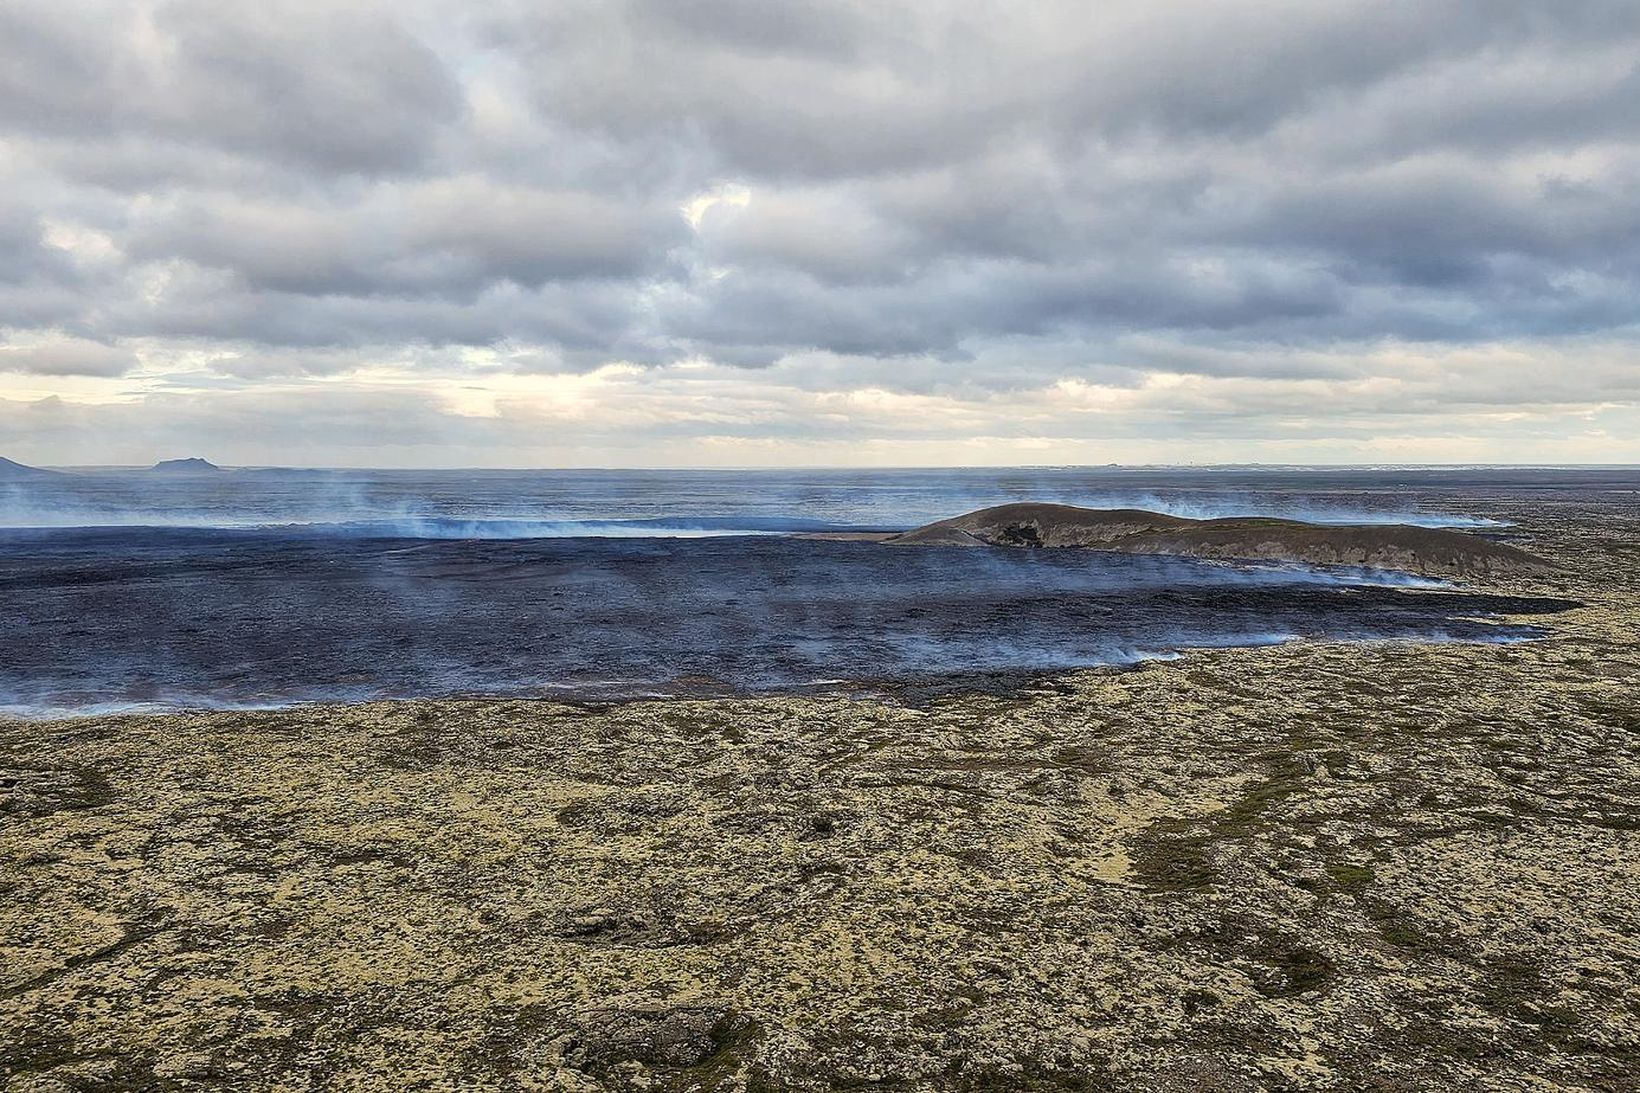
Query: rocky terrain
{"x": 1421, "y": 550}
{"x": 1315, "y": 866}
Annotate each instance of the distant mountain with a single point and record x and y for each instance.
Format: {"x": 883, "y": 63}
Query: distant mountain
{"x": 191, "y": 465}
{"x": 10, "y": 470}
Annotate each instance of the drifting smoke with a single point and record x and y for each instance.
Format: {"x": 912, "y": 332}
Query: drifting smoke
{"x": 185, "y": 617}
{"x": 256, "y": 588}
{"x": 529, "y": 505}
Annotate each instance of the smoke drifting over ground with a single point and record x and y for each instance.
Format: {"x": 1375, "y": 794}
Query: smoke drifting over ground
{"x": 537, "y": 504}
{"x": 209, "y": 618}
{"x": 263, "y": 587}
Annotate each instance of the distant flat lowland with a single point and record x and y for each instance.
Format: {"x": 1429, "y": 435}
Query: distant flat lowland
{"x": 1428, "y": 551}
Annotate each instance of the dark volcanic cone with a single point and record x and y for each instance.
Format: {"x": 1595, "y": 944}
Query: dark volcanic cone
{"x": 1428, "y": 551}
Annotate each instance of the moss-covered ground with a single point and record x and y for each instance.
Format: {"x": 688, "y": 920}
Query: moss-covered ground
{"x": 1315, "y": 866}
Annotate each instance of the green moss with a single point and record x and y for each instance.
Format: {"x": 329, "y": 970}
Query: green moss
{"x": 1351, "y": 878}
{"x": 1297, "y": 970}
{"x": 1173, "y": 856}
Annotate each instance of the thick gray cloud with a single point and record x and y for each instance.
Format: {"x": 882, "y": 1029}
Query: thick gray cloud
{"x": 322, "y": 86}
{"x": 910, "y": 197}
{"x": 67, "y": 357}
{"x": 450, "y": 235}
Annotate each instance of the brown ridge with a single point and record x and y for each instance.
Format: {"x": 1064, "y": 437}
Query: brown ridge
{"x": 1427, "y": 551}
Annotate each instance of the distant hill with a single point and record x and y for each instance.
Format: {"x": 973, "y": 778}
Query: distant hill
{"x": 191, "y": 465}
{"x": 10, "y": 470}
{"x": 1132, "y": 531}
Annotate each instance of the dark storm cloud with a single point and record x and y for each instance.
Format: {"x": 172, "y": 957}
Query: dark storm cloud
{"x": 989, "y": 190}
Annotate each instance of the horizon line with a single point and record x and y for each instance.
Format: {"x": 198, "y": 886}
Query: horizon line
{"x": 650, "y": 468}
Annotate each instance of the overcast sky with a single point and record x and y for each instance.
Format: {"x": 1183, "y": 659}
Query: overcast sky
{"x": 660, "y": 232}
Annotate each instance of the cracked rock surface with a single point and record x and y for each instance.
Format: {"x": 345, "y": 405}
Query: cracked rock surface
{"x": 1315, "y": 866}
